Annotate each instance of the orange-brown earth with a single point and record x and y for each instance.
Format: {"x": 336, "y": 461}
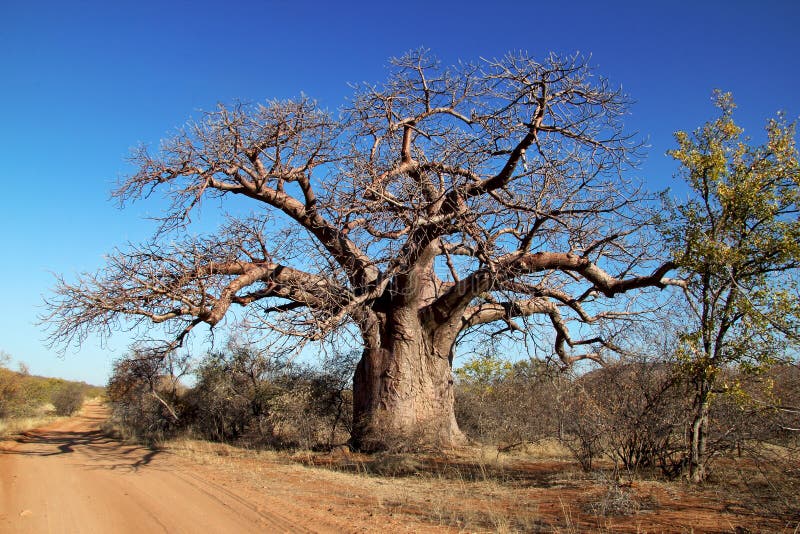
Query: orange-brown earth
{"x": 70, "y": 477}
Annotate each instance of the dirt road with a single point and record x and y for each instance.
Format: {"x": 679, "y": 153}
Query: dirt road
{"x": 69, "y": 477}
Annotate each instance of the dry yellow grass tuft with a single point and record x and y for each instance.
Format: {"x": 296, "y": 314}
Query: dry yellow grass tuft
{"x": 9, "y": 427}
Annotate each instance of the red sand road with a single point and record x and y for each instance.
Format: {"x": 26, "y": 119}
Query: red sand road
{"x": 69, "y": 477}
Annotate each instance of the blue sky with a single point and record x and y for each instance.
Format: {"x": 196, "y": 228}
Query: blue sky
{"x": 82, "y": 82}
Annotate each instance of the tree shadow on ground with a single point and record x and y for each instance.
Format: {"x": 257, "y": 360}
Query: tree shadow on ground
{"x": 101, "y": 451}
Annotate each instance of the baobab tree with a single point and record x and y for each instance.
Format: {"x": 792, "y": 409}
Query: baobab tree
{"x": 485, "y": 197}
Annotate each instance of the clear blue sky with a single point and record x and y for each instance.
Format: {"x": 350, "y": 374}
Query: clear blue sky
{"x": 82, "y": 82}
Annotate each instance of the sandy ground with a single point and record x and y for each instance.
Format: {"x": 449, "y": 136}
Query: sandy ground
{"x": 69, "y": 477}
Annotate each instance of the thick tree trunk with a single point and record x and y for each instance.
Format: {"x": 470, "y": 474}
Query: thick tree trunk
{"x": 403, "y": 389}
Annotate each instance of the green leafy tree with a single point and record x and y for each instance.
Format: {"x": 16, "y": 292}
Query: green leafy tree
{"x": 737, "y": 243}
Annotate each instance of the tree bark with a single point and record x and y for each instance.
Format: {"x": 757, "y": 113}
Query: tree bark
{"x": 698, "y": 438}
{"x": 403, "y": 387}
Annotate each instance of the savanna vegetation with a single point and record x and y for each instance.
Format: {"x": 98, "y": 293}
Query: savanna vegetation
{"x": 27, "y": 400}
{"x": 471, "y": 210}
{"x": 240, "y": 395}
{"x": 603, "y": 432}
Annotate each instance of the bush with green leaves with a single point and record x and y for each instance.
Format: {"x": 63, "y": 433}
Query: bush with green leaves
{"x": 10, "y": 393}
{"x": 25, "y": 395}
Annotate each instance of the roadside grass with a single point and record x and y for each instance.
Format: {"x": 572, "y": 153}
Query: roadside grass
{"x": 10, "y": 427}
{"x": 44, "y": 415}
{"x": 447, "y": 499}
{"x": 123, "y": 434}
{"x": 532, "y": 488}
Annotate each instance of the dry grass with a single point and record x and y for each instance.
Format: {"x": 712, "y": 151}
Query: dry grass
{"x": 480, "y": 490}
{"x": 9, "y": 427}
{"x": 213, "y": 453}
{"x": 394, "y": 484}
{"x": 14, "y": 425}
{"x": 543, "y": 449}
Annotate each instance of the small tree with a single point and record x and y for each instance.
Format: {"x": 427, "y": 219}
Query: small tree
{"x": 737, "y": 242}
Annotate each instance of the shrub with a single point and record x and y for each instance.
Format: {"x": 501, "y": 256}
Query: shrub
{"x": 233, "y": 389}
{"x": 21, "y": 395}
{"x": 244, "y": 394}
{"x": 313, "y": 410}
{"x": 632, "y": 413}
{"x": 495, "y": 400}
{"x": 642, "y": 412}
{"x": 145, "y": 395}
{"x": 68, "y": 399}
